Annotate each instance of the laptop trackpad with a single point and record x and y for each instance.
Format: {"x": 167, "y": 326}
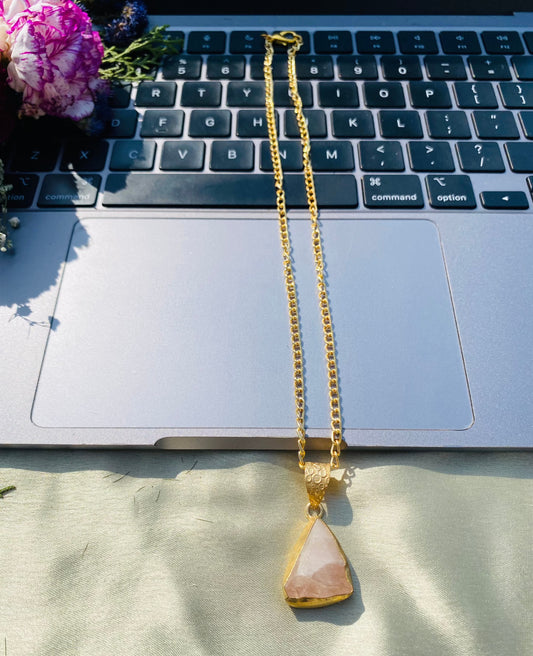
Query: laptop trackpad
{"x": 183, "y": 324}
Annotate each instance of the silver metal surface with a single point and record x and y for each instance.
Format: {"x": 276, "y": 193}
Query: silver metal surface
{"x": 434, "y": 340}
{"x": 488, "y": 259}
{"x": 191, "y": 329}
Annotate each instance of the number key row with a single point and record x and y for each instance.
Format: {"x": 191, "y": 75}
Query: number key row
{"x": 352, "y": 67}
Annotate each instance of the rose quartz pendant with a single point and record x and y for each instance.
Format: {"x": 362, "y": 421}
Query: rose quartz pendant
{"x": 319, "y": 574}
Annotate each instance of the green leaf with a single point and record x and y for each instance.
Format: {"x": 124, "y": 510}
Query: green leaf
{"x": 4, "y": 490}
{"x": 138, "y": 60}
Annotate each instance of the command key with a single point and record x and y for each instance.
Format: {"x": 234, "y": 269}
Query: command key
{"x": 392, "y": 191}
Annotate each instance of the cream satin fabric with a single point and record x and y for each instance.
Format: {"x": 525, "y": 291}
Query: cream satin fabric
{"x": 157, "y": 554}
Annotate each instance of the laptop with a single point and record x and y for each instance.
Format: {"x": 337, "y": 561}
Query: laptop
{"x": 145, "y": 303}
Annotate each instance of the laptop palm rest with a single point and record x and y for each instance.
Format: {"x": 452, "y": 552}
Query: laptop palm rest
{"x": 183, "y": 324}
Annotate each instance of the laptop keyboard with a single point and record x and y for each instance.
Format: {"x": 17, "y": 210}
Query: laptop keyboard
{"x": 406, "y": 119}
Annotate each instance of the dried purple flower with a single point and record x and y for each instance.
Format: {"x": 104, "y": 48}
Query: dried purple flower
{"x": 131, "y": 23}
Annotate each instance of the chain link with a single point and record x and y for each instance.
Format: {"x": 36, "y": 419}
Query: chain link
{"x": 293, "y": 42}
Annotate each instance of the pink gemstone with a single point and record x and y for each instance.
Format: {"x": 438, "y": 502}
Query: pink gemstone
{"x": 320, "y": 575}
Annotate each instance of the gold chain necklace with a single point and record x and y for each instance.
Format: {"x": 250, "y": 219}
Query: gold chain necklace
{"x": 318, "y": 574}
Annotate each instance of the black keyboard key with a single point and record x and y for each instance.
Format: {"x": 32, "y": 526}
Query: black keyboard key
{"x": 338, "y": 94}
{"x": 122, "y": 124}
{"x": 120, "y": 95}
{"x": 279, "y": 67}
{"x": 246, "y": 94}
{"x": 38, "y": 155}
{"x": 383, "y": 94}
{"x": 429, "y": 156}
{"x": 224, "y": 190}
{"x": 523, "y": 67}
{"x": 517, "y": 95}
{"x": 86, "y": 155}
{"x": 250, "y": 42}
{"x": 316, "y": 124}
{"x": 179, "y": 35}
{"x": 381, "y": 156}
{"x": 526, "y": 120}
{"x": 406, "y": 67}
{"x": 360, "y": 67}
{"x": 206, "y": 42}
{"x": 156, "y": 94}
{"x": 182, "y": 156}
{"x": 201, "y": 94}
{"x": 162, "y": 123}
{"x": 528, "y": 38}
{"x": 332, "y": 156}
{"x": 475, "y": 95}
{"x": 392, "y": 191}
{"x": 210, "y": 123}
{"x": 504, "y": 200}
{"x": 520, "y": 156}
{"x": 429, "y": 95}
{"x": 421, "y": 42}
{"x": 22, "y": 191}
{"x": 314, "y": 67}
{"x": 495, "y": 125}
{"x": 230, "y": 67}
{"x": 480, "y": 157}
{"x": 290, "y": 153}
{"x": 450, "y": 192}
{"x": 252, "y": 123}
{"x": 460, "y": 42}
{"x": 440, "y": 67}
{"x": 133, "y": 155}
{"x": 282, "y": 96}
{"x": 334, "y": 42}
{"x": 232, "y": 156}
{"x": 400, "y": 124}
{"x": 377, "y": 42}
{"x": 69, "y": 190}
{"x": 182, "y": 67}
{"x": 447, "y": 125}
{"x": 35, "y": 155}
{"x": 504, "y": 43}
{"x": 494, "y": 67}
{"x": 355, "y": 124}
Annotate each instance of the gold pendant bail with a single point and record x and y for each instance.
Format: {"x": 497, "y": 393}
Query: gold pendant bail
{"x": 317, "y": 476}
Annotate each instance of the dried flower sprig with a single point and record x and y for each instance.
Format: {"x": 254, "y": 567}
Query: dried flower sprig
{"x": 138, "y": 60}
{"x": 4, "y": 490}
{"x": 130, "y": 25}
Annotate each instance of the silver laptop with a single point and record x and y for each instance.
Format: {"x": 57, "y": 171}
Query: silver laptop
{"x": 145, "y": 305}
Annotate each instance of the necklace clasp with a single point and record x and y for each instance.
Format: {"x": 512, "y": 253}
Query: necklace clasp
{"x": 286, "y": 38}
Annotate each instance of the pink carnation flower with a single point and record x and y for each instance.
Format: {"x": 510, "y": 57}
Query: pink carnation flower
{"x": 54, "y": 57}
{"x": 11, "y": 7}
